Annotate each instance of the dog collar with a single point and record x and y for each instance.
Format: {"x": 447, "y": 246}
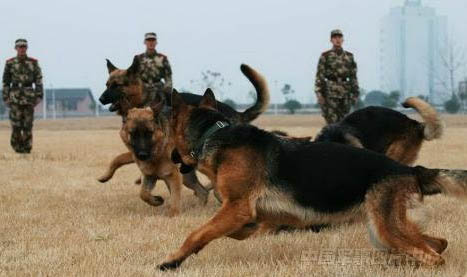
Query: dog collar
{"x": 200, "y": 143}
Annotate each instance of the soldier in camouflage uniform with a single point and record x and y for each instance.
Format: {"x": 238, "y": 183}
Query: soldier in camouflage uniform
{"x": 336, "y": 84}
{"x": 153, "y": 68}
{"x": 21, "y": 73}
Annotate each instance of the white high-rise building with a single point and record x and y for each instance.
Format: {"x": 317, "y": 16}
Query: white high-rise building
{"x": 413, "y": 40}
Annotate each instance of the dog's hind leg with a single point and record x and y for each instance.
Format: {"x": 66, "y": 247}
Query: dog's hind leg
{"x": 387, "y": 207}
{"x": 231, "y": 218}
{"x": 190, "y": 180}
{"x": 145, "y": 193}
{"x": 116, "y": 163}
{"x": 174, "y": 185}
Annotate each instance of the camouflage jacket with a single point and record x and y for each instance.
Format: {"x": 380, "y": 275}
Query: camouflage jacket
{"x": 20, "y": 74}
{"x": 153, "y": 68}
{"x": 337, "y": 75}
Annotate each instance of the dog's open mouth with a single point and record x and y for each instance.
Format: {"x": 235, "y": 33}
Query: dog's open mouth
{"x": 114, "y": 107}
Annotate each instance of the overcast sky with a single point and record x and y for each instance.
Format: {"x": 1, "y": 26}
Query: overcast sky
{"x": 282, "y": 39}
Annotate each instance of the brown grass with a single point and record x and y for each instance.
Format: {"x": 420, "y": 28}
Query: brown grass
{"x": 57, "y": 220}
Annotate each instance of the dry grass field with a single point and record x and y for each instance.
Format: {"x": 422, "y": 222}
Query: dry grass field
{"x": 57, "y": 220}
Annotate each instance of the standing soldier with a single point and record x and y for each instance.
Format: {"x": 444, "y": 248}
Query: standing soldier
{"x": 21, "y": 73}
{"x": 336, "y": 84}
{"x": 153, "y": 68}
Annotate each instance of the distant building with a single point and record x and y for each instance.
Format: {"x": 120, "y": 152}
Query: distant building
{"x": 412, "y": 44}
{"x": 69, "y": 102}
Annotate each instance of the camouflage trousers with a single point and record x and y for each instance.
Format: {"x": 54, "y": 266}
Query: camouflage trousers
{"x": 21, "y": 118}
{"x": 150, "y": 94}
{"x": 335, "y": 109}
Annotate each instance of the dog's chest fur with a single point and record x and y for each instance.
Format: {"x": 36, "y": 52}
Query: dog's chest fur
{"x": 162, "y": 167}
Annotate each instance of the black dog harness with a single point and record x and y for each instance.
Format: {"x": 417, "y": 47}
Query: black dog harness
{"x": 194, "y": 153}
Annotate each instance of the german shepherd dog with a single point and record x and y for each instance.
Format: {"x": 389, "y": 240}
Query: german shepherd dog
{"x": 387, "y": 131}
{"x": 267, "y": 180}
{"x": 125, "y": 91}
{"x": 145, "y": 134}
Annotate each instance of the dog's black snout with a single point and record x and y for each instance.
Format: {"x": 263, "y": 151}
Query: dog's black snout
{"x": 143, "y": 155}
{"x": 104, "y": 99}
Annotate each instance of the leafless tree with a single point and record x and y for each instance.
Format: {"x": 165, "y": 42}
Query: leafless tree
{"x": 453, "y": 60}
{"x": 213, "y": 80}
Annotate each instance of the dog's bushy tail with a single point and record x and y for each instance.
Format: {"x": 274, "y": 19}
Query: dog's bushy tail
{"x": 262, "y": 94}
{"x": 449, "y": 182}
{"x": 433, "y": 124}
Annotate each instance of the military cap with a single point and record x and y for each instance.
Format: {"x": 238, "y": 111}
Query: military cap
{"x": 21, "y": 42}
{"x": 150, "y": 35}
{"x": 336, "y": 32}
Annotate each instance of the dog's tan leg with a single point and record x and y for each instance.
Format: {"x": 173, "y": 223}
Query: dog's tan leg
{"x": 232, "y": 216}
{"x": 174, "y": 185}
{"x": 390, "y": 226}
{"x": 116, "y": 163}
{"x": 145, "y": 193}
{"x": 190, "y": 180}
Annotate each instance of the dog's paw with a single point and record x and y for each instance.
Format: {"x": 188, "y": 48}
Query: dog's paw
{"x": 103, "y": 178}
{"x": 154, "y": 200}
{"x": 169, "y": 265}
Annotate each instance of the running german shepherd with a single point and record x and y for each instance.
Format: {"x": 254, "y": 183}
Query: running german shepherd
{"x": 266, "y": 180}
{"x": 125, "y": 91}
{"x": 387, "y": 131}
{"x": 145, "y": 133}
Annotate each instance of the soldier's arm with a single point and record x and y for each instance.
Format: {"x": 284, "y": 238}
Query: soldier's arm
{"x": 38, "y": 81}
{"x": 355, "y": 91}
{"x": 167, "y": 74}
{"x": 320, "y": 82}
{"x": 6, "y": 83}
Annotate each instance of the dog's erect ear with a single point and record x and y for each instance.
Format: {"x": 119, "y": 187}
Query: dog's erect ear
{"x": 208, "y": 100}
{"x": 134, "y": 67}
{"x": 110, "y": 67}
{"x": 177, "y": 101}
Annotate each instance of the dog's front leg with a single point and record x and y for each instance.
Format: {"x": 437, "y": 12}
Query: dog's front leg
{"x": 116, "y": 163}
{"x": 174, "y": 184}
{"x": 145, "y": 194}
{"x": 230, "y": 218}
